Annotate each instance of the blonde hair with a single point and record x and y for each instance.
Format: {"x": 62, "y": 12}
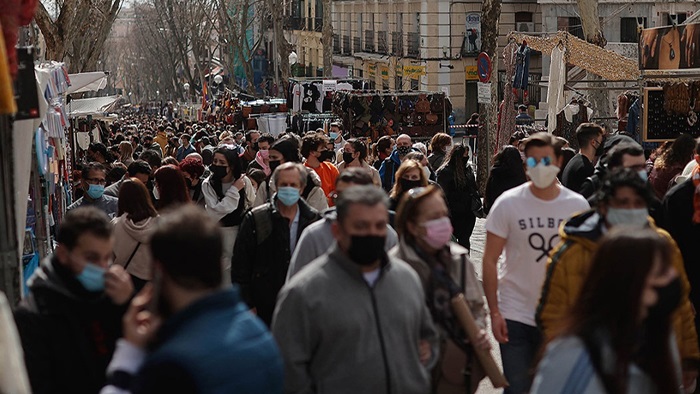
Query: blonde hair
{"x": 126, "y": 151}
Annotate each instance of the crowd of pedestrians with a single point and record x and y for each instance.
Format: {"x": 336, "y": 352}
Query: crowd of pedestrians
{"x": 198, "y": 259}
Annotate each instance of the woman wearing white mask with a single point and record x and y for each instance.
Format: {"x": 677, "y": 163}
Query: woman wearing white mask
{"x": 444, "y": 269}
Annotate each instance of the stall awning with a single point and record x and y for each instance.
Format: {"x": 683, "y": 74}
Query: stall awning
{"x": 590, "y": 57}
{"x": 93, "y": 106}
{"x": 87, "y": 82}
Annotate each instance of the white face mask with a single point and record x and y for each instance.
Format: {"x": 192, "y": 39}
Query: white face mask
{"x": 542, "y": 176}
{"x": 156, "y": 194}
{"x": 628, "y": 217}
{"x": 426, "y": 171}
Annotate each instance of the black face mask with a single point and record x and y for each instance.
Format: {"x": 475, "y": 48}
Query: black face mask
{"x": 326, "y": 155}
{"x": 600, "y": 150}
{"x": 403, "y": 150}
{"x": 366, "y": 250}
{"x": 669, "y": 297}
{"x": 188, "y": 181}
{"x": 274, "y": 164}
{"x": 347, "y": 158}
{"x": 217, "y": 172}
{"x": 407, "y": 184}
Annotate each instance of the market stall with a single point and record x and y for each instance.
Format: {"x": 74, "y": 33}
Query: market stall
{"x": 376, "y": 113}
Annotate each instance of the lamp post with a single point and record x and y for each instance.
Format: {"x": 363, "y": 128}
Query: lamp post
{"x": 218, "y": 79}
{"x": 186, "y": 86}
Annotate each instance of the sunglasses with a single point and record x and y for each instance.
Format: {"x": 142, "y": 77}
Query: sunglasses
{"x": 531, "y": 162}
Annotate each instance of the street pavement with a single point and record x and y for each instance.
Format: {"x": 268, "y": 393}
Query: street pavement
{"x": 478, "y": 240}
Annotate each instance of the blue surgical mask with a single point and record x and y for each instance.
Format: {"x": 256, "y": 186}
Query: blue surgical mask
{"x": 92, "y": 278}
{"x": 95, "y": 191}
{"x": 643, "y": 174}
{"x": 288, "y": 195}
{"x": 333, "y": 136}
{"x": 628, "y": 217}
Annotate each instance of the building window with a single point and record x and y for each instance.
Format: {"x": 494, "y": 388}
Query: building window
{"x": 524, "y": 22}
{"x": 415, "y": 84}
{"x": 628, "y": 29}
{"x": 398, "y": 83}
{"x": 571, "y": 24}
{"x": 677, "y": 18}
{"x": 385, "y": 84}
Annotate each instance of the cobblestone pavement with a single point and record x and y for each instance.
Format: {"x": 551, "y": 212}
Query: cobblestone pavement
{"x": 478, "y": 240}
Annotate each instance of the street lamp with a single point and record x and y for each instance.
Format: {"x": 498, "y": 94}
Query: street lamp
{"x": 186, "y": 86}
{"x": 218, "y": 79}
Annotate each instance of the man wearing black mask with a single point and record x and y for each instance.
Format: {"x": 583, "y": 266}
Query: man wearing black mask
{"x": 591, "y": 140}
{"x": 251, "y": 147}
{"x": 356, "y": 291}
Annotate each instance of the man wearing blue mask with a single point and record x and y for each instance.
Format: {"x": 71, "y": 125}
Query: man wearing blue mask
{"x": 71, "y": 319}
{"x": 335, "y": 135}
{"x": 623, "y": 201}
{"x": 94, "y": 179}
{"x": 267, "y": 238}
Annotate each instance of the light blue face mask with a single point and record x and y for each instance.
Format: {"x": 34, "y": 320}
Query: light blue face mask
{"x": 333, "y": 136}
{"x": 627, "y": 217}
{"x": 643, "y": 174}
{"x": 288, "y": 195}
{"x": 95, "y": 191}
{"x": 92, "y": 278}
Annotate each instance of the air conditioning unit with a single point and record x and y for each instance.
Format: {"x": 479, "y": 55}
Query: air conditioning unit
{"x": 525, "y": 27}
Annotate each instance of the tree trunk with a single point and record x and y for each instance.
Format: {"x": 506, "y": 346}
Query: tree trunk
{"x": 490, "y": 14}
{"x": 588, "y": 9}
{"x": 327, "y": 39}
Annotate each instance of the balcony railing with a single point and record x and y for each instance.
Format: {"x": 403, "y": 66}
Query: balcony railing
{"x": 318, "y": 24}
{"x": 369, "y": 40}
{"x": 397, "y": 43}
{"x": 356, "y": 44}
{"x": 414, "y": 45}
{"x": 382, "y": 43}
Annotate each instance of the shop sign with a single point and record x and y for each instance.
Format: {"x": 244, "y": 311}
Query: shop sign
{"x": 384, "y": 72}
{"x": 371, "y": 71}
{"x": 413, "y": 71}
{"x": 483, "y": 93}
{"x": 399, "y": 70}
{"x": 330, "y": 85}
{"x": 472, "y": 39}
{"x": 472, "y": 73}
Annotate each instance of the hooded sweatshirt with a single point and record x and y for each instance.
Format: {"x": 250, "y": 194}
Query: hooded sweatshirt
{"x": 127, "y": 237}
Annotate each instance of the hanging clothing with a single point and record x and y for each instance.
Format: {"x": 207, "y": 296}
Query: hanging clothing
{"x": 568, "y": 121}
{"x": 297, "y": 93}
{"x": 555, "y": 92}
{"x": 522, "y": 67}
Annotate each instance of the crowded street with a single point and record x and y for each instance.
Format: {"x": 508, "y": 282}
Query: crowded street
{"x": 349, "y": 197}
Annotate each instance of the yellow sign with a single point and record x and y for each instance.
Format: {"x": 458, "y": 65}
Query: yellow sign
{"x": 472, "y": 73}
{"x": 371, "y": 71}
{"x": 399, "y": 70}
{"x": 384, "y": 72}
{"x": 413, "y": 71}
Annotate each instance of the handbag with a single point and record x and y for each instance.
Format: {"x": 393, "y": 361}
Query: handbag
{"x": 477, "y": 206}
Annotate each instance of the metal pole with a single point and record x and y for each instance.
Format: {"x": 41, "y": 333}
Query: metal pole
{"x": 275, "y": 55}
{"x": 11, "y": 270}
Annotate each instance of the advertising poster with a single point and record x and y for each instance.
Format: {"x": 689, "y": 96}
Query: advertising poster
{"x": 670, "y": 47}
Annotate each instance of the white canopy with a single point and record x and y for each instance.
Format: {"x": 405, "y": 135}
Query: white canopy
{"x": 92, "y": 106}
{"x": 87, "y": 82}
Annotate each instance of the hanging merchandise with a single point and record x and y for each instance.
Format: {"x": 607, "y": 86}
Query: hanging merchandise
{"x": 506, "y": 113}
{"x": 522, "y": 66}
{"x": 568, "y": 120}
{"x": 555, "y": 92}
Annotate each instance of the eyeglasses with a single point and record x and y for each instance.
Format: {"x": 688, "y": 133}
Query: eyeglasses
{"x": 96, "y": 181}
{"x": 531, "y": 162}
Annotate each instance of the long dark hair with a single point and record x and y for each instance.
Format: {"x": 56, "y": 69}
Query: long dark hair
{"x": 234, "y": 163}
{"x": 609, "y": 304}
{"x": 171, "y": 186}
{"x": 456, "y": 161}
{"x": 679, "y": 153}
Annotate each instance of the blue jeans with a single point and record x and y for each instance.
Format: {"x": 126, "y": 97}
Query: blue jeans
{"x": 518, "y": 356}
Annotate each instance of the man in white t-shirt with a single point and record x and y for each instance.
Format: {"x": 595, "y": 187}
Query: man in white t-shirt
{"x": 524, "y": 221}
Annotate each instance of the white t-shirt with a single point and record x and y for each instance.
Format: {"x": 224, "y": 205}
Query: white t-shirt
{"x": 531, "y": 229}
{"x": 371, "y": 277}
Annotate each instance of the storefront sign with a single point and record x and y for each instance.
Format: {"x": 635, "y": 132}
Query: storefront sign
{"x": 371, "y": 71}
{"x": 472, "y": 35}
{"x": 471, "y": 73}
{"x": 670, "y": 47}
{"x": 413, "y": 71}
{"x": 330, "y": 85}
{"x": 399, "y": 70}
{"x": 483, "y": 93}
{"x": 384, "y": 72}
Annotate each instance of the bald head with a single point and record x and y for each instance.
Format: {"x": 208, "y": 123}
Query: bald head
{"x": 403, "y": 140}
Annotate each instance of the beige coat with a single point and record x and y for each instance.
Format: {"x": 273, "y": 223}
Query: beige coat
{"x": 376, "y": 179}
{"x": 127, "y": 236}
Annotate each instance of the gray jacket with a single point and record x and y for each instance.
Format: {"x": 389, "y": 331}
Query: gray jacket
{"x": 318, "y": 238}
{"x": 339, "y": 335}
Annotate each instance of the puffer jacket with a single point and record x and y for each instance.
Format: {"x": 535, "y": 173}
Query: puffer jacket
{"x": 568, "y": 267}
{"x": 127, "y": 236}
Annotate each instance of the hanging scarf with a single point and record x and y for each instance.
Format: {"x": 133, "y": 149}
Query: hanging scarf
{"x": 260, "y": 159}
{"x": 695, "y": 176}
